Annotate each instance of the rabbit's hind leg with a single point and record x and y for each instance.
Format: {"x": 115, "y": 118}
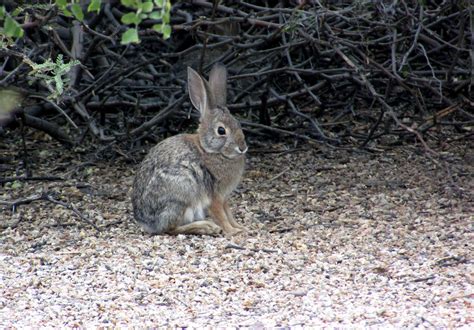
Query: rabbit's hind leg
{"x": 219, "y": 215}
{"x": 197, "y": 228}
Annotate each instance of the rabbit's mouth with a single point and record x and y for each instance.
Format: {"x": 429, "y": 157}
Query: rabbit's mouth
{"x": 240, "y": 150}
{"x": 235, "y": 153}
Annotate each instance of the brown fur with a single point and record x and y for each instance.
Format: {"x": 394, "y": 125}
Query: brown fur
{"x": 189, "y": 175}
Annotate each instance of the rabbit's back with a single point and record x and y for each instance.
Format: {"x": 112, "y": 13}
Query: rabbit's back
{"x": 172, "y": 187}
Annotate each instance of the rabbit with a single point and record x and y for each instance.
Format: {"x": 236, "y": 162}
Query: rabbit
{"x": 186, "y": 177}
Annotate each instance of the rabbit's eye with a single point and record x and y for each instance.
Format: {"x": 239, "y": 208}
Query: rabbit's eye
{"x": 221, "y": 130}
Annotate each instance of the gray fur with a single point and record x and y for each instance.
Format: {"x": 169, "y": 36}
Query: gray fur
{"x": 183, "y": 175}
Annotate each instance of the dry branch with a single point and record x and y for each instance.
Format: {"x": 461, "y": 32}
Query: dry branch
{"x": 311, "y": 72}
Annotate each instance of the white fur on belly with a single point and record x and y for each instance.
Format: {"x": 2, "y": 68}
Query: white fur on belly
{"x": 197, "y": 211}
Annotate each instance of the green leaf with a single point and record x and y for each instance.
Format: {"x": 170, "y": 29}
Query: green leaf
{"x": 129, "y": 3}
{"x": 129, "y": 36}
{"x": 77, "y": 11}
{"x": 12, "y": 28}
{"x": 94, "y": 6}
{"x": 131, "y": 18}
{"x": 59, "y": 84}
{"x": 166, "y": 17}
{"x": 16, "y": 12}
{"x": 166, "y": 30}
{"x": 59, "y": 60}
{"x": 61, "y": 3}
{"x": 159, "y": 3}
{"x": 16, "y": 184}
{"x": 156, "y": 15}
{"x": 67, "y": 13}
{"x": 2, "y": 12}
{"x": 147, "y": 7}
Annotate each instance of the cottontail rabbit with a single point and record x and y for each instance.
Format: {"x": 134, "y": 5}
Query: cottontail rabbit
{"x": 188, "y": 176}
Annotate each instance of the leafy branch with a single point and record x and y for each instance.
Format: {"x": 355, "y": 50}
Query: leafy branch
{"x": 74, "y": 9}
{"x": 156, "y": 10}
{"x": 11, "y": 28}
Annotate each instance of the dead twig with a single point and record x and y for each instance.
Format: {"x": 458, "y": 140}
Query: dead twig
{"x": 48, "y": 197}
{"x": 238, "y": 247}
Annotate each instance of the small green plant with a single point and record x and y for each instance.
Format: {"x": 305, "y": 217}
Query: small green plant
{"x": 54, "y": 74}
{"x": 10, "y": 28}
{"x": 72, "y": 8}
{"x": 143, "y": 9}
{"x": 140, "y": 10}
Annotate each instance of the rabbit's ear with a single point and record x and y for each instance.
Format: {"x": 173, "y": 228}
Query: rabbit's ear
{"x": 218, "y": 82}
{"x": 198, "y": 91}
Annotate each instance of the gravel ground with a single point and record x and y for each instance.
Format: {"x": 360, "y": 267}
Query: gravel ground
{"x": 335, "y": 239}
